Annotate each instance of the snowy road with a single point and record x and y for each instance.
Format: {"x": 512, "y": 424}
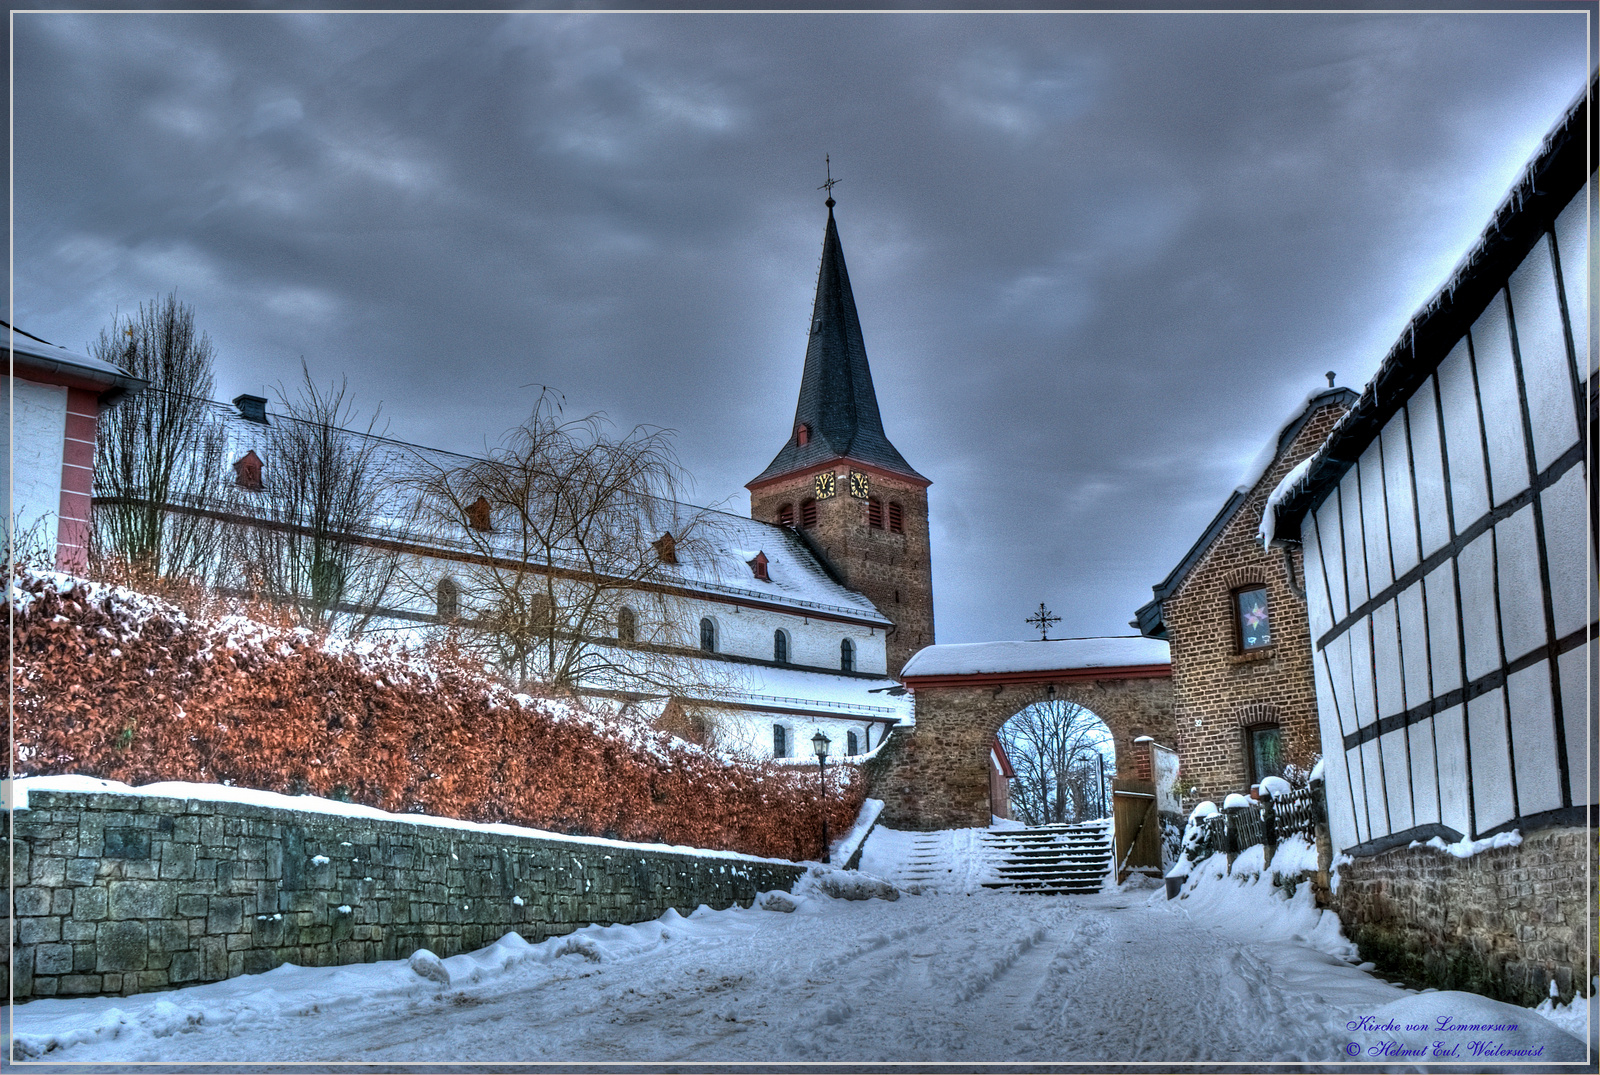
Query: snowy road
{"x": 1231, "y": 974}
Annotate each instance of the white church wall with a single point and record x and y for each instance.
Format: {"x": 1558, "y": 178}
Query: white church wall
{"x": 34, "y": 435}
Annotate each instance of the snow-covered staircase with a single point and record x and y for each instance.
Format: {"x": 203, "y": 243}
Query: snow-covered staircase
{"x": 1050, "y": 858}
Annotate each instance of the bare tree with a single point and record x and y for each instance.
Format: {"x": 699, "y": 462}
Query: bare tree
{"x": 1055, "y": 749}
{"x": 321, "y": 493}
{"x": 158, "y": 448}
{"x": 575, "y": 539}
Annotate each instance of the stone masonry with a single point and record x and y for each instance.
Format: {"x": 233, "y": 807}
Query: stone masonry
{"x": 937, "y": 775}
{"x": 892, "y": 570}
{"x": 1219, "y": 691}
{"x": 1503, "y": 922}
{"x": 120, "y": 894}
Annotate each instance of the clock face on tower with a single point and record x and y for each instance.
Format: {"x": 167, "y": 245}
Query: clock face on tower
{"x": 859, "y": 487}
{"x": 825, "y": 485}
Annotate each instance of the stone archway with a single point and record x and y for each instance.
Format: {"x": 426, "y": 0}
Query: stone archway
{"x": 936, "y": 775}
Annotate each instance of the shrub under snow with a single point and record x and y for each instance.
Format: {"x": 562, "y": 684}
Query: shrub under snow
{"x": 122, "y": 686}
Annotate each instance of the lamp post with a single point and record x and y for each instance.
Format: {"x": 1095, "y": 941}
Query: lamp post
{"x": 819, "y": 743}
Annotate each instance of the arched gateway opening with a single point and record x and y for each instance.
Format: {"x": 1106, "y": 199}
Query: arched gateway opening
{"x": 1057, "y": 764}
{"x": 936, "y": 776}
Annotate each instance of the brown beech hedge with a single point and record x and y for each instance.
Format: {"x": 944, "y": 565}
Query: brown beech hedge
{"x": 119, "y": 685}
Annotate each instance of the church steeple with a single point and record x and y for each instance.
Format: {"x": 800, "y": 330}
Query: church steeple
{"x": 837, "y": 414}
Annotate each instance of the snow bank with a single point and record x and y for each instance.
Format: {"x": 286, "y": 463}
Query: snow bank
{"x": 844, "y": 885}
{"x": 1465, "y": 848}
{"x": 1267, "y": 897}
{"x": 971, "y": 658}
{"x": 179, "y": 789}
{"x": 845, "y": 846}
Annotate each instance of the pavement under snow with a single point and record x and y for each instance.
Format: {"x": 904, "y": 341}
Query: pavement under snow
{"x": 1233, "y": 973}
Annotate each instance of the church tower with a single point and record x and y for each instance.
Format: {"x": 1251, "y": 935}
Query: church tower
{"x": 839, "y": 482}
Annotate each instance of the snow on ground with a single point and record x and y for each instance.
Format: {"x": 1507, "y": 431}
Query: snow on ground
{"x": 1236, "y": 972}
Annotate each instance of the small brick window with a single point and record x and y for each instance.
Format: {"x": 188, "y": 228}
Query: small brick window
{"x": 808, "y": 514}
{"x": 1266, "y": 751}
{"x": 897, "y": 523}
{"x": 247, "y": 472}
{"x": 875, "y": 513}
{"x": 1251, "y": 620}
{"x": 780, "y": 647}
{"x": 627, "y": 625}
{"x": 780, "y": 741}
{"x": 786, "y": 515}
{"x": 802, "y": 437}
{"x": 847, "y": 655}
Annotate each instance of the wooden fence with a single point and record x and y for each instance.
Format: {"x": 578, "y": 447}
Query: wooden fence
{"x": 1264, "y": 821}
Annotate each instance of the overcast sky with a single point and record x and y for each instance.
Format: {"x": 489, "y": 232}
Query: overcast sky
{"x": 1097, "y": 256}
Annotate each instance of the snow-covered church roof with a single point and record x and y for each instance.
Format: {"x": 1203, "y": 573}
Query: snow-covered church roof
{"x": 1057, "y": 655}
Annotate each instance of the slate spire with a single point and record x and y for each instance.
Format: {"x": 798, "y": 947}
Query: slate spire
{"x": 838, "y": 407}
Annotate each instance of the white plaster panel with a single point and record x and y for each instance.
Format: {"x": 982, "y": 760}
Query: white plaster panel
{"x": 1572, "y": 243}
{"x": 1491, "y": 759}
{"x": 1342, "y": 828}
{"x": 1424, "y": 775}
{"x": 1542, "y": 347}
{"x": 1375, "y": 519}
{"x": 1469, "y": 489}
{"x": 1502, "y": 408}
{"x": 1449, "y": 741}
{"x": 1533, "y": 739}
{"x": 1580, "y": 713}
{"x": 1316, "y": 583}
{"x": 1566, "y": 543}
{"x": 1330, "y": 540}
{"x": 1396, "y": 779}
{"x": 1376, "y": 801}
{"x": 750, "y": 732}
{"x": 1397, "y": 492}
{"x": 1337, "y": 656}
{"x": 1521, "y": 589}
{"x": 1414, "y": 644}
{"x": 1386, "y": 661}
{"x": 1478, "y": 614}
{"x": 1355, "y": 556}
{"x": 1444, "y": 641}
{"x": 1327, "y": 706}
{"x": 35, "y": 427}
{"x": 1427, "y": 464}
{"x": 747, "y": 632}
{"x": 1361, "y": 671}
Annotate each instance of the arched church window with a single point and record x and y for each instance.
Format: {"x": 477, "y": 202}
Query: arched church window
{"x": 802, "y": 435}
{"x": 780, "y": 647}
{"x": 808, "y": 514}
{"x": 447, "y": 599}
{"x": 875, "y": 513}
{"x": 708, "y": 634}
{"x": 897, "y": 523}
{"x": 847, "y": 655}
{"x": 786, "y": 515}
{"x": 780, "y": 741}
{"x": 627, "y": 625}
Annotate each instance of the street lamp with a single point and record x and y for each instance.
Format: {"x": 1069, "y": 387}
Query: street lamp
{"x": 819, "y": 743}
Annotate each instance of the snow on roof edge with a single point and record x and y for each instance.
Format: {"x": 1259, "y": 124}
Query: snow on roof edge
{"x": 1062, "y": 654}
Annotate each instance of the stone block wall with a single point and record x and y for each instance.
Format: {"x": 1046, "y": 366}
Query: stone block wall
{"x": 1503, "y": 922}
{"x": 1219, "y": 691}
{"x": 119, "y": 894}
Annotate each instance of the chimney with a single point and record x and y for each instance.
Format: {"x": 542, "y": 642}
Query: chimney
{"x": 252, "y": 408}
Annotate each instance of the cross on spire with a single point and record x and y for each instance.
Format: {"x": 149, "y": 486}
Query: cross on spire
{"x": 828, "y": 186}
{"x": 1043, "y": 620}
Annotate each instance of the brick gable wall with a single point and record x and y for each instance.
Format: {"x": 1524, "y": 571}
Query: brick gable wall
{"x": 1218, "y": 691}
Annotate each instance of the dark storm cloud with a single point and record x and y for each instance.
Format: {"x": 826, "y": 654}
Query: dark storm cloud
{"x": 1097, "y": 256}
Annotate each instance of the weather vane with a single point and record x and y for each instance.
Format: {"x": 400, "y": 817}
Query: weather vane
{"x": 1043, "y": 621}
{"x": 828, "y": 186}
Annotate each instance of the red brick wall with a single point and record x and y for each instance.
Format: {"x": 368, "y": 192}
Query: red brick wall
{"x": 1219, "y": 691}
{"x": 77, "y": 474}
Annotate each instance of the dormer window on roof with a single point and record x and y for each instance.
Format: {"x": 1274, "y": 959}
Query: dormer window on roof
{"x": 478, "y": 515}
{"x": 247, "y": 472}
{"x": 758, "y": 566}
{"x": 666, "y": 547}
{"x": 802, "y": 435}
{"x": 252, "y": 408}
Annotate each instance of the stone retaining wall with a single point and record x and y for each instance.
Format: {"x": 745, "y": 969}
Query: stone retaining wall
{"x": 1503, "y": 922}
{"x": 119, "y": 894}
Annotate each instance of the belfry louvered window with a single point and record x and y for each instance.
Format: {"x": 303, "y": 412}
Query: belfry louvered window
{"x": 896, "y": 518}
{"x": 808, "y": 514}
